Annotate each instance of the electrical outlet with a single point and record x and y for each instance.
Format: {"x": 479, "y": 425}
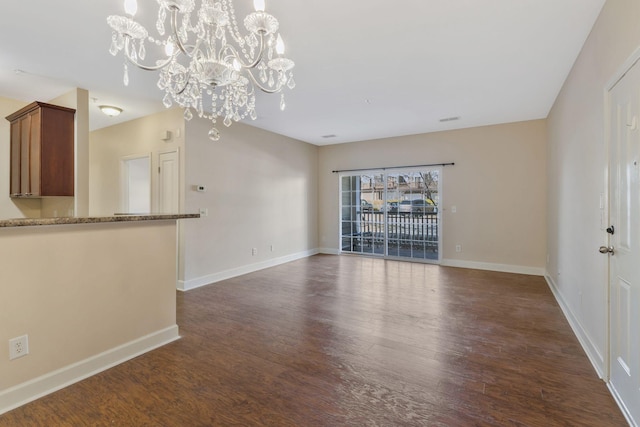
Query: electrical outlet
{"x": 458, "y": 248}
{"x": 18, "y": 347}
{"x": 272, "y": 248}
{"x": 254, "y": 251}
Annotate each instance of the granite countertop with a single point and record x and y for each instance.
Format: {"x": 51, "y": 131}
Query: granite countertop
{"x": 25, "y": 222}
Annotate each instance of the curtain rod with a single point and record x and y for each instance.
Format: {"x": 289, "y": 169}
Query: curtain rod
{"x": 393, "y": 167}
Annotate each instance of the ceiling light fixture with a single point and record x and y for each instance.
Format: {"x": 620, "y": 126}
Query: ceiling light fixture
{"x": 208, "y": 67}
{"x": 110, "y": 110}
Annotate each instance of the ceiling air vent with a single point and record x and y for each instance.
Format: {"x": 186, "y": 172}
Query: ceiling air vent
{"x": 450, "y": 119}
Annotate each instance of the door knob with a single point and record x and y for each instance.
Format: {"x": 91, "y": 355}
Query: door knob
{"x": 606, "y": 250}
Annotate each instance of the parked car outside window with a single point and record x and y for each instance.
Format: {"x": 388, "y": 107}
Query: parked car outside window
{"x": 416, "y": 206}
{"x": 404, "y": 206}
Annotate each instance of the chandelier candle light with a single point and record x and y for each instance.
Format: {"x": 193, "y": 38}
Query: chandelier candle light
{"x": 209, "y": 68}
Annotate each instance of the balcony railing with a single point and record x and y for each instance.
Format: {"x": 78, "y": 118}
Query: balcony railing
{"x": 413, "y": 235}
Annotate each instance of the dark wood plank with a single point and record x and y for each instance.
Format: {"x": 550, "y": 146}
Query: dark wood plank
{"x": 349, "y": 341}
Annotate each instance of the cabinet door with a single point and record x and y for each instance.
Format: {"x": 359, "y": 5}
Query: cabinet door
{"x": 25, "y": 143}
{"x": 35, "y": 147}
{"x": 15, "y": 158}
{"x": 29, "y": 164}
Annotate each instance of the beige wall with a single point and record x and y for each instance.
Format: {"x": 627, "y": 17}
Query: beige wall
{"x": 577, "y": 161}
{"x": 261, "y": 191}
{"x": 136, "y": 137}
{"x": 80, "y": 290}
{"x": 497, "y": 185}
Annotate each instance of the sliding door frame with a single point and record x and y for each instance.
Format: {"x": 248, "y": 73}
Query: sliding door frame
{"x": 385, "y": 176}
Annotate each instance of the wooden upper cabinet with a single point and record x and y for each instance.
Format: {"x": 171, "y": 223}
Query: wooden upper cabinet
{"x": 42, "y": 151}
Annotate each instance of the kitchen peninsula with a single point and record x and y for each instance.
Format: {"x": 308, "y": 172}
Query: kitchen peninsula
{"x": 88, "y": 292}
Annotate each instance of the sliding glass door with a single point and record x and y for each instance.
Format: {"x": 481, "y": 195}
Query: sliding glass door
{"x": 362, "y": 224}
{"x": 393, "y": 214}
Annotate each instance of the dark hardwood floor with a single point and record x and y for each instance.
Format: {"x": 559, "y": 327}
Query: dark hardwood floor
{"x": 350, "y": 341}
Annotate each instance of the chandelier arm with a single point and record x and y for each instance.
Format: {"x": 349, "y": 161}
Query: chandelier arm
{"x": 174, "y": 27}
{"x": 262, "y": 88}
{"x": 235, "y": 54}
{"x": 127, "y": 52}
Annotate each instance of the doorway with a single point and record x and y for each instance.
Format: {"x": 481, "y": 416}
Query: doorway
{"x": 136, "y": 184}
{"x": 393, "y": 214}
{"x": 624, "y": 240}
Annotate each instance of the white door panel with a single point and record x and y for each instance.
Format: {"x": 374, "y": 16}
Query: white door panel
{"x": 169, "y": 183}
{"x": 624, "y": 280}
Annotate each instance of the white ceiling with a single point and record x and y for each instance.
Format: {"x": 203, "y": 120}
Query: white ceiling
{"x": 365, "y": 69}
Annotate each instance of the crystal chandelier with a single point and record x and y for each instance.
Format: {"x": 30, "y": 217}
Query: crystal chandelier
{"x": 209, "y": 68}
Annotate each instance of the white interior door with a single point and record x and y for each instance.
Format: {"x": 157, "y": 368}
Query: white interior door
{"x": 624, "y": 280}
{"x": 169, "y": 182}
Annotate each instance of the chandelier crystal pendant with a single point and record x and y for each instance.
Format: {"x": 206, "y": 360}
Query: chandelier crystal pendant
{"x": 209, "y": 68}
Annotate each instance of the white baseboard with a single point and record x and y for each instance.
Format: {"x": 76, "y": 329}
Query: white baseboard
{"x": 621, "y": 405}
{"x": 186, "y": 285}
{"x": 595, "y": 357}
{"x": 36, "y": 388}
{"x": 329, "y": 251}
{"x": 504, "y": 268}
